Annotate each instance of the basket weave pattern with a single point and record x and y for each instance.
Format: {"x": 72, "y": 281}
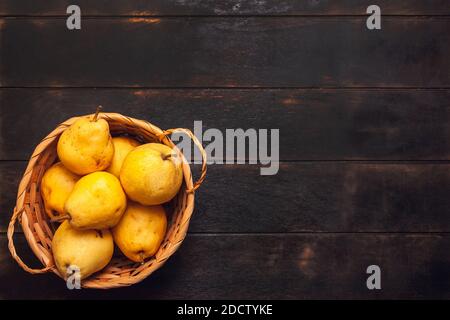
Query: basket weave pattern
{"x": 38, "y": 229}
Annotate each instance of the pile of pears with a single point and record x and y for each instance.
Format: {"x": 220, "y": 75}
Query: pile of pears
{"x": 107, "y": 191}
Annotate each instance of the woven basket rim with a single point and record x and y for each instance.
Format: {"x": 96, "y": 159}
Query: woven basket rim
{"x": 173, "y": 238}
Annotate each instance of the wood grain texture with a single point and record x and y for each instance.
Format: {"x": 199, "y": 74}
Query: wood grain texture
{"x": 306, "y": 266}
{"x": 309, "y": 196}
{"x": 224, "y": 7}
{"x": 226, "y": 52}
{"x": 11, "y": 173}
{"x": 314, "y": 124}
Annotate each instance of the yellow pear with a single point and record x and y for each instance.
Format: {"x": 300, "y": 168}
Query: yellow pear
{"x": 96, "y": 202}
{"x": 151, "y": 174}
{"x": 140, "y": 231}
{"x": 86, "y": 146}
{"x": 88, "y": 250}
{"x": 122, "y": 146}
{"x": 56, "y": 185}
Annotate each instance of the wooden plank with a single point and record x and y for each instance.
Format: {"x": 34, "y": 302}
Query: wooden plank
{"x": 314, "y": 124}
{"x": 225, "y": 7}
{"x": 296, "y": 266}
{"x": 226, "y": 52}
{"x": 309, "y": 196}
{"x": 11, "y": 173}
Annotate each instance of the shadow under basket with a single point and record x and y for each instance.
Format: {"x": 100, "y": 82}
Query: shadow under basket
{"x": 38, "y": 228}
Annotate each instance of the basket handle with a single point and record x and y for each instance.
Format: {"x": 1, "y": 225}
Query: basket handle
{"x": 12, "y": 249}
{"x": 202, "y": 152}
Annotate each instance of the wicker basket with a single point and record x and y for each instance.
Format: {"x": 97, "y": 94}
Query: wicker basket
{"x": 38, "y": 228}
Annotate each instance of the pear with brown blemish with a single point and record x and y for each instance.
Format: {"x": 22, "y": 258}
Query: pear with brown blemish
{"x": 151, "y": 174}
{"x": 86, "y": 146}
{"x": 140, "y": 231}
{"x": 97, "y": 201}
{"x": 56, "y": 186}
{"x": 87, "y": 250}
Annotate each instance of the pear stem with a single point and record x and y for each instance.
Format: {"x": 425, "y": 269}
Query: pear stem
{"x": 167, "y": 156}
{"x": 141, "y": 255}
{"x": 99, "y": 108}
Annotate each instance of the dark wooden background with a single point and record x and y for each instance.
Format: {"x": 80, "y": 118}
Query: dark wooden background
{"x": 364, "y": 120}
